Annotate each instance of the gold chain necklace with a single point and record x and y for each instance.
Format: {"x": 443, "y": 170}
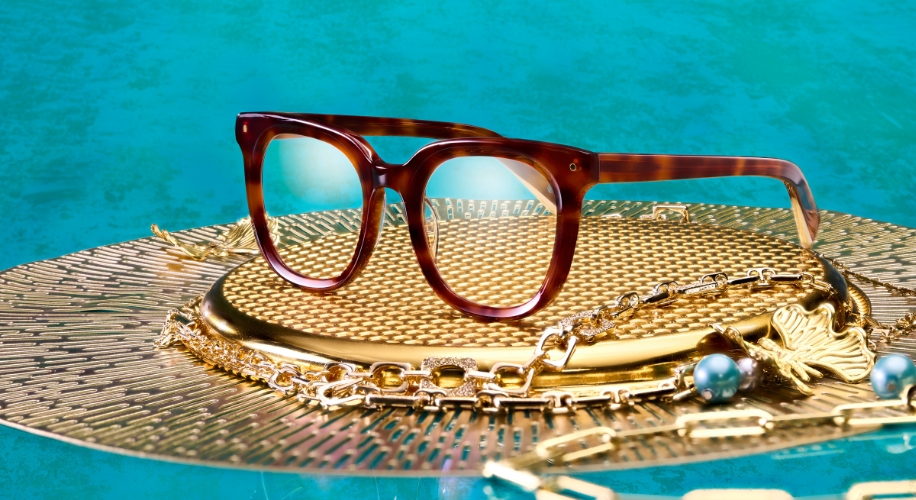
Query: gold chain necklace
{"x": 507, "y": 386}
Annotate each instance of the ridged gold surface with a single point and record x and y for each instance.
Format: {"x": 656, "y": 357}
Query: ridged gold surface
{"x": 392, "y": 303}
{"x": 77, "y": 362}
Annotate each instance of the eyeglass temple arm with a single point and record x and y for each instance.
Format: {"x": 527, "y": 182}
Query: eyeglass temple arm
{"x": 533, "y": 181}
{"x": 614, "y": 167}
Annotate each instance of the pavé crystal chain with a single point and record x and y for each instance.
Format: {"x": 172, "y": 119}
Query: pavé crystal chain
{"x": 505, "y": 386}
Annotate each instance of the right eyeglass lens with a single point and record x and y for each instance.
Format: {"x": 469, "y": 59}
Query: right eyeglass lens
{"x": 491, "y": 225}
{"x": 302, "y": 175}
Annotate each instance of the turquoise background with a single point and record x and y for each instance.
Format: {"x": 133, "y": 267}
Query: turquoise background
{"x": 117, "y": 115}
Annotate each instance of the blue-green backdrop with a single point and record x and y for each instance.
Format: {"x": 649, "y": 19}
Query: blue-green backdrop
{"x": 116, "y": 115}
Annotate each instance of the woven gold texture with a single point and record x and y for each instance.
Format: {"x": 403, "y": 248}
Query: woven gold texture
{"x": 77, "y": 362}
{"x": 391, "y": 302}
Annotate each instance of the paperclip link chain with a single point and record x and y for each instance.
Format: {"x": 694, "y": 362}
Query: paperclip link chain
{"x": 506, "y": 386}
{"x": 554, "y": 487}
{"x": 520, "y": 471}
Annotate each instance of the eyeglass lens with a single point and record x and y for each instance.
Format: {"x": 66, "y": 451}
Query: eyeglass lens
{"x": 317, "y": 186}
{"x": 491, "y": 225}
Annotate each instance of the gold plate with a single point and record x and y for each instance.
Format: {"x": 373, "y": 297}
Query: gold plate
{"x": 390, "y": 312}
{"x": 77, "y": 363}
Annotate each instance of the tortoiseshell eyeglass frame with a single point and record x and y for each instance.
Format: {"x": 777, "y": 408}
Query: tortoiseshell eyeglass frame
{"x": 570, "y": 171}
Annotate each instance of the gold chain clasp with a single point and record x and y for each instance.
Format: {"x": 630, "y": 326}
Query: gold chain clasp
{"x": 659, "y": 209}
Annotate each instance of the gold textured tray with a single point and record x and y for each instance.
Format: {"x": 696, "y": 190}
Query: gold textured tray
{"x": 77, "y": 363}
{"x": 390, "y": 313}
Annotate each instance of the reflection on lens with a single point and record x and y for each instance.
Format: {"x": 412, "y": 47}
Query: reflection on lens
{"x": 494, "y": 224}
{"x": 303, "y": 175}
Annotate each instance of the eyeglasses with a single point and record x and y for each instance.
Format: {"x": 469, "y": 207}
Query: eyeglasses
{"x": 303, "y": 162}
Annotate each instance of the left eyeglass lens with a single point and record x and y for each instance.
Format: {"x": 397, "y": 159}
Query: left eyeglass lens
{"x": 491, "y": 227}
{"x": 302, "y": 175}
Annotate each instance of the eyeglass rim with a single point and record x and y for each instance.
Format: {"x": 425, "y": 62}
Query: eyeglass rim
{"x": 254, "y": 131}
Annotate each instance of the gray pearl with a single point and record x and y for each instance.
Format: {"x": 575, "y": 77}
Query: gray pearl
{"x": 750, "y": 374}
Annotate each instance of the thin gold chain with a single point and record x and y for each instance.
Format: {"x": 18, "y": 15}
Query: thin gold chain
{"x": 889, "y": 332}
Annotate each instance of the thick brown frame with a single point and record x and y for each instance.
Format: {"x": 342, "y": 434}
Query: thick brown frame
{"x": 570, "y": 171}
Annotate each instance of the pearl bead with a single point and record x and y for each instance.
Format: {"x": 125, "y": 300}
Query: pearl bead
{"x": 716, "y": 378}
{"x": 891, "y": 375}
{"x": 750, "y": 374}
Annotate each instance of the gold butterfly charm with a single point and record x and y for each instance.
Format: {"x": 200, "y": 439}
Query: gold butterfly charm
{"x": 809, "y": 342}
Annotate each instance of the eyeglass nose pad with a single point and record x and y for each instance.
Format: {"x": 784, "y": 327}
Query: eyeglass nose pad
{"x": 431, "y": 220}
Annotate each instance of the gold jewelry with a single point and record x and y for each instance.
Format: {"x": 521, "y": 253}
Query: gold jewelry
{"x": 238, "y": 239}
{"x": 509, "y": 384}
{"x": 808, "y": 340}
{"x": 522, "y": 470}
{"x": 81, "y": 365}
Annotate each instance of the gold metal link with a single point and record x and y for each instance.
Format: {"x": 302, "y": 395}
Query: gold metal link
{"x": 658, "y": 430}
{"x": 382, "y": 373}
{"x": 538, "y": 404}
{"x": 554, "y": 487}
{"x": 394, "y": 400}
{"x": 688, "y": 423}
{"x": 702, "y": 288}
{"x": 737, "y": 494}
{"x": 845, "y": 413}
{"x": 786, "y": 279}
{"x": 287, "y": 385}
{"x": 764, "y": 277}
{"x": 882, "y": 489}
{"x": 525, "y": 375}
{"x": 522, "y": 479}
{"x": 476, "y": 375}
{"x": 552, "y": 448}
{"x": 558, "y": 365}
{"x": 792, "y": 420}
{"x": 659, "y": 209}
{"x": 334, "y": 371}
{"x": 662, "y": 295}
{"x": 456, "y": 402}
{"x": 600, "y": 400}
{"x": 664, "y": 388}
{"x": 487, "y": 400}
{"x": 416, "y": 374}
{"x": 561, "y": 401}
